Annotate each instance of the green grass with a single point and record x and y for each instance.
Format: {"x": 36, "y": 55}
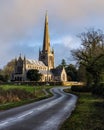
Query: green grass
{"x": 26, "y": 94}
{"x": 31, "y": 89}
{"x": 27, "y": 88}
{"x": 88, "y": 115}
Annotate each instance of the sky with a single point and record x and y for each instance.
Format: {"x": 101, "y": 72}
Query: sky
{"x": 22, "y": 26}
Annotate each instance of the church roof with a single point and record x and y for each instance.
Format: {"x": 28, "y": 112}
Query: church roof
{"x": 35, "y": 62}
{"x": 57, "y": 71}
{"x": 45, "y": 72}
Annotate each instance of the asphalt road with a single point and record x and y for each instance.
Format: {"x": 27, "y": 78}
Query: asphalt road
{"x": 46, "y": 114}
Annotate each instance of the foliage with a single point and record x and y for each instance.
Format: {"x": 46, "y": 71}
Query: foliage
{"x": 81, "y": 73}
{"x": 3, "y": 77}
{"x": 6, "y": 72}
{"x": 80, "y": 89}
{"x": 99, "y": 89}
{"x": 71, "y": 72}
{"x": 14, "y": 94}
{"x": 63, "y": 64}
{"x": 91, "y": 54}
{"x": 17, "y": 95}
{"x": 88, "y": 115}
{"x": 102, "y": 77}
{"x": 33, "y": 75}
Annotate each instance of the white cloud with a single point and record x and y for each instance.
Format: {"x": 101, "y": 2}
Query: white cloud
{"x": 70, "y": 42}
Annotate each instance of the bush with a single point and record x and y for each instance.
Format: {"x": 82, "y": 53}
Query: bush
{"x": 80, "y": 89}
{"x": 98, "y": 89}
{"x": 14, "y": 94}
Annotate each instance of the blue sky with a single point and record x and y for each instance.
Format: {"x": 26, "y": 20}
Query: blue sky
{"x": 22, "y": 25}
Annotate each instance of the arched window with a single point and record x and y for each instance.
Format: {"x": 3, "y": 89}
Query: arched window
{"x": 63, "y": 77}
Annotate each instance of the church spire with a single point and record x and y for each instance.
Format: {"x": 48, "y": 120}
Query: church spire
{"x": 47, "y": 55}
{"x": 46, "y": 41}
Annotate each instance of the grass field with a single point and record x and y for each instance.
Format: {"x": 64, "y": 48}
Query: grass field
{"x": 27, "y": 88}
{"x": 88, "y": 115}
{"x": 17, "y": 95}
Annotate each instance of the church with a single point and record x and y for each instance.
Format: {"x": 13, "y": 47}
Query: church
{"x": 45, "y": 63}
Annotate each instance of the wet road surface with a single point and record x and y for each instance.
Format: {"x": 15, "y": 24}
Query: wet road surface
{"x": 46, "y": 114}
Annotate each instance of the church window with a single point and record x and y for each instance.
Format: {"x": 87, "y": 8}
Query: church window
{"x": 19, "y": 69}
{"x": 63, "y": 77}
{"x": 49, "y": 78}
{"x": 45, "y": 78}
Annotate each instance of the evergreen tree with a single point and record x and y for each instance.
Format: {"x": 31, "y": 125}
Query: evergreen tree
{"x": 71, "y": 72}
{"x": 63, "y": 64}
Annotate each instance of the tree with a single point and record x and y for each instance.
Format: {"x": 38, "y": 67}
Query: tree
{"x": 71, "y": 72}
{"x": 82, "y": 73}
{"x": 63, "y": 64}
{"x": 33, "y": 75}
{"x": 8, "y": 69}
{"x": 91, "y": 53}
{"x": 6, "y": 72}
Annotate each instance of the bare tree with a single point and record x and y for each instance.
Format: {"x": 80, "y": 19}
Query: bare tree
{"x": 91, "y": 53}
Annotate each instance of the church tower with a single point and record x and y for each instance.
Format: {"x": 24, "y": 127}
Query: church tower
{"x": 46, "y": 55}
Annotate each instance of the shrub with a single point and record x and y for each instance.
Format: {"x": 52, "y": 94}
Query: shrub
{"x": 80, "y": 88}
{"x": 98, "y": 89}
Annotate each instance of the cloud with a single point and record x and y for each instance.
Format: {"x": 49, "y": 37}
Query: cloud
{"x": 21, "y": 23}
{"x": 16, "y": 17}
{"x": 71, "y": 42}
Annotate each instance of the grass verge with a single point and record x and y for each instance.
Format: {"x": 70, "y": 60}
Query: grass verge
{"x": 20, "y": 103}
{"x": 88, "y": 115}
{"x": 31, "y": 94}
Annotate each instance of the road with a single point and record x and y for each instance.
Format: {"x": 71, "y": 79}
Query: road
{"x": 46, "y": 114}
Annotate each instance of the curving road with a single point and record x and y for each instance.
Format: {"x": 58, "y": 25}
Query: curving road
{"x": 46, "y": 114}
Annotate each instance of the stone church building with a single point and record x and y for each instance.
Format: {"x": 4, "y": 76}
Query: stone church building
{"x": 45, "y": 63}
